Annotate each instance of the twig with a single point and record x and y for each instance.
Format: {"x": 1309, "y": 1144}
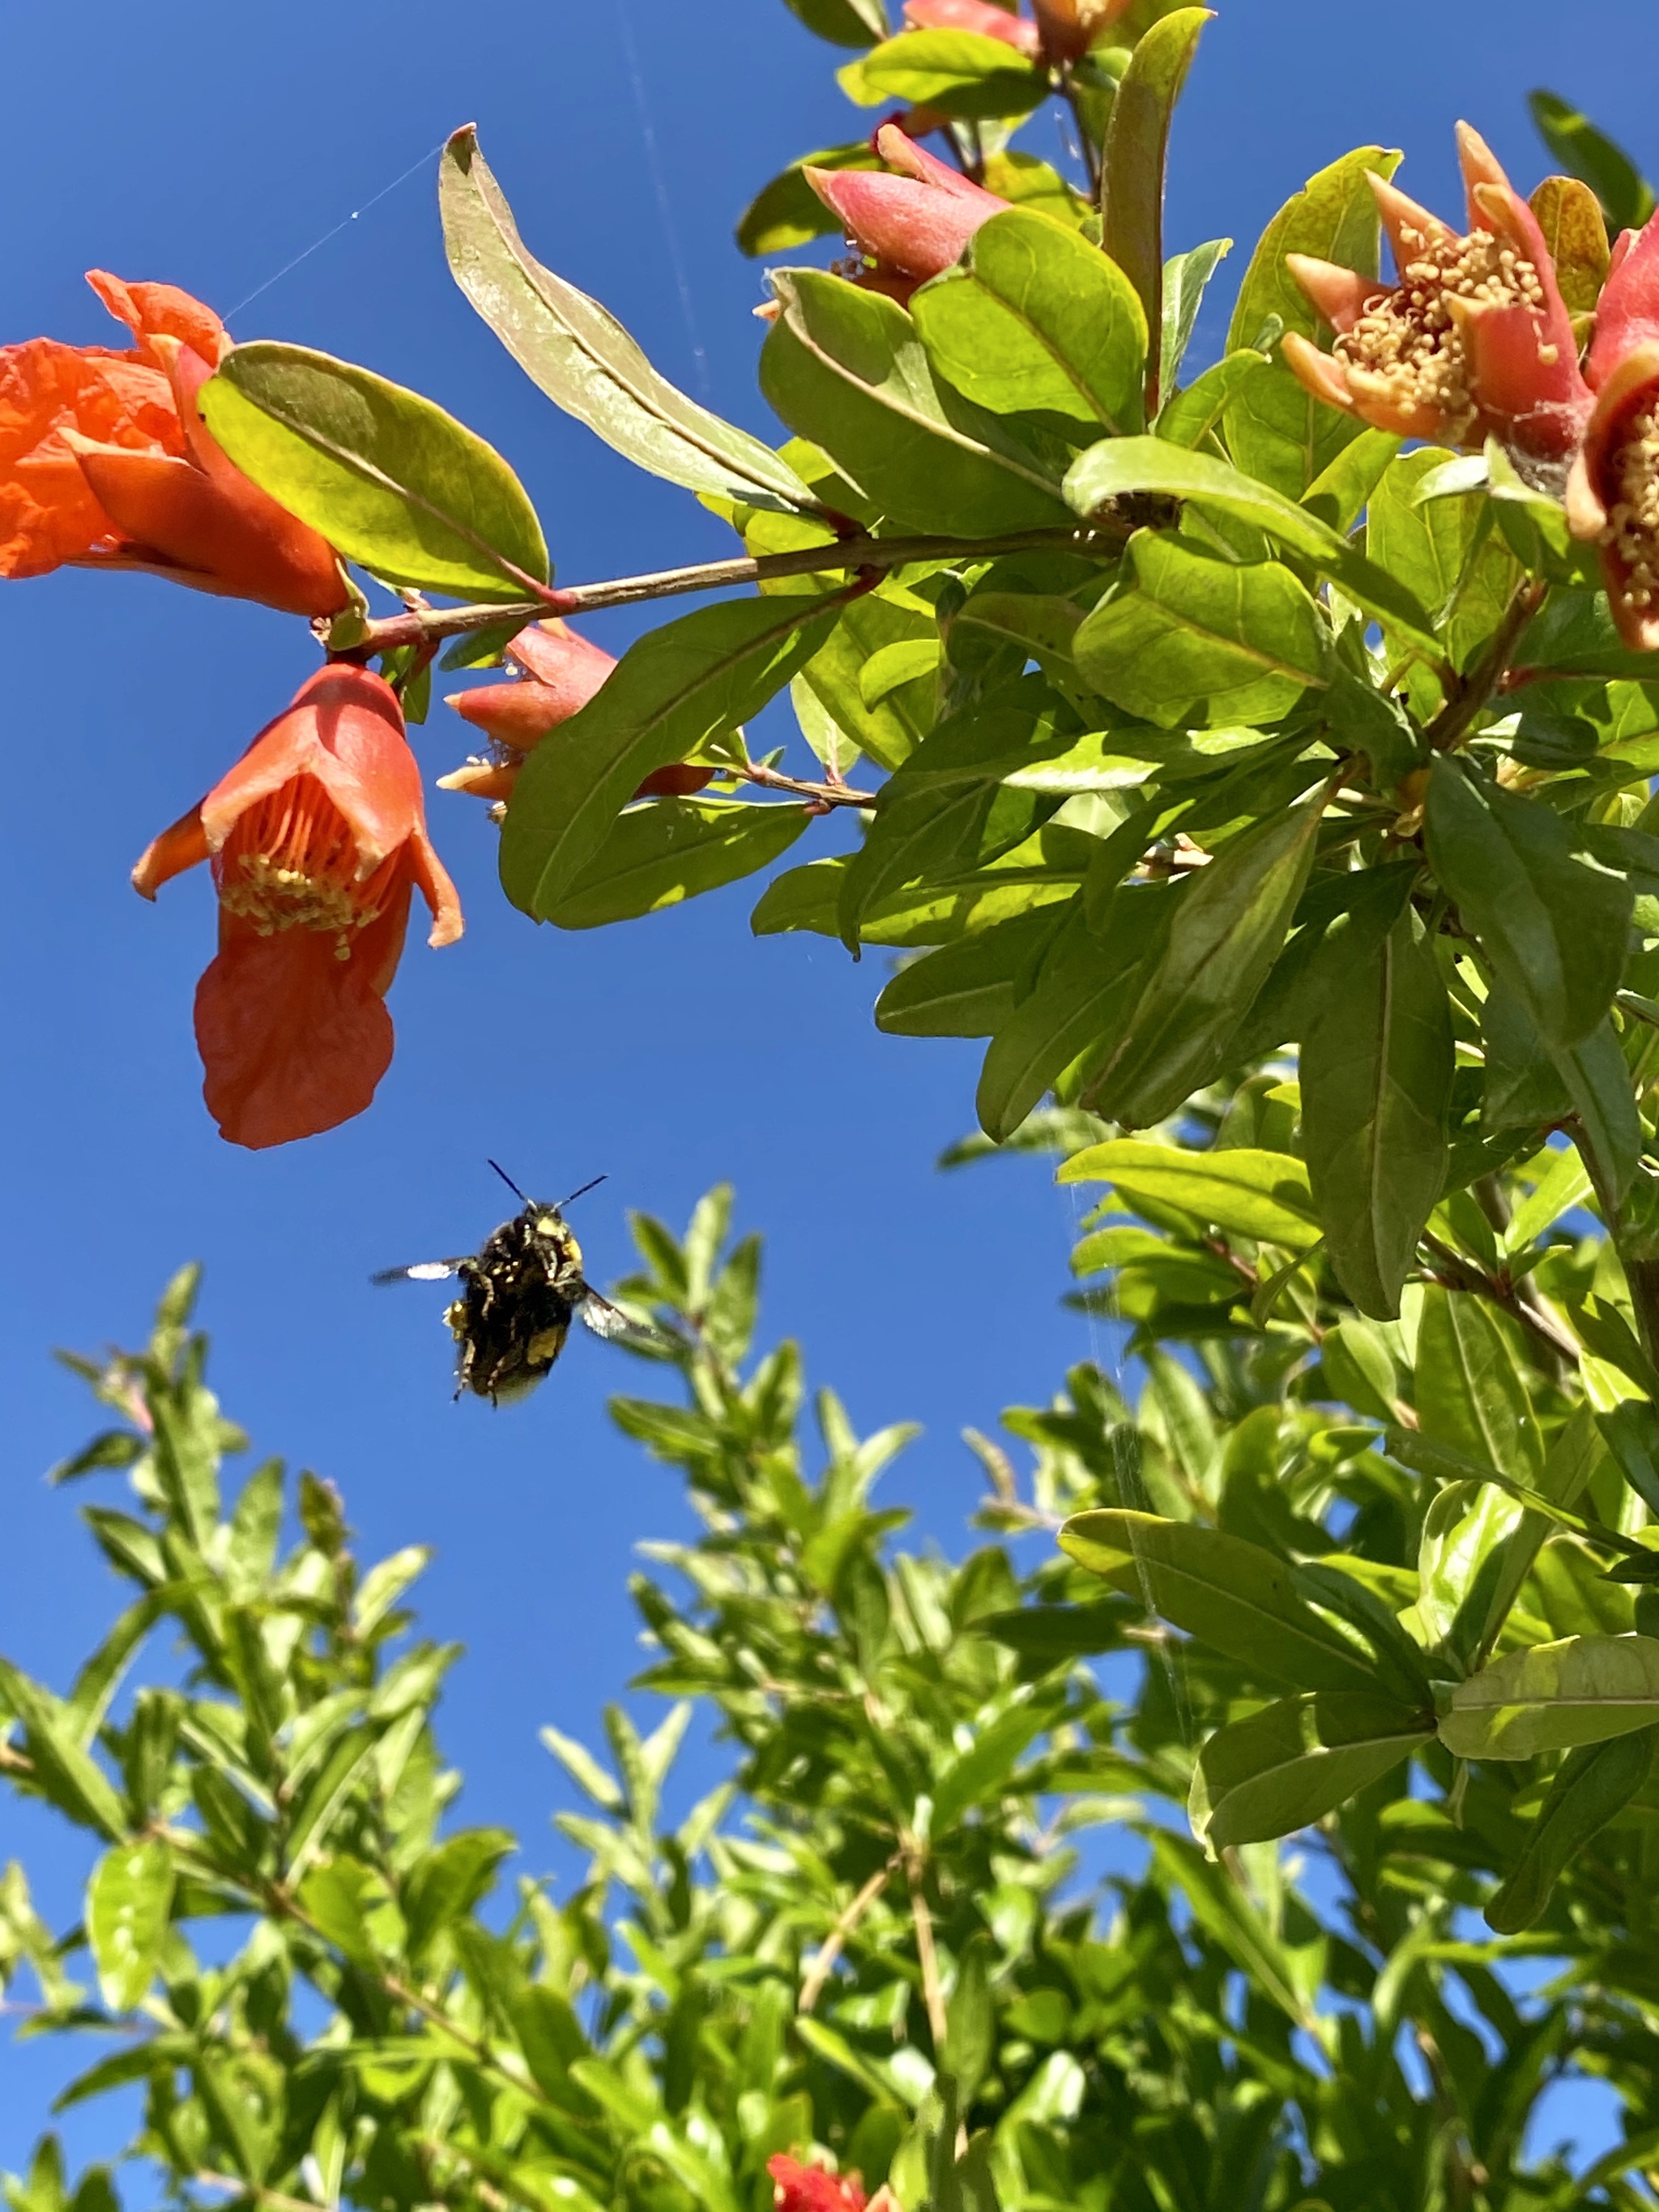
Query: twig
{"x": 13, "y": 1762}
{"x": 1470, "y": 693}
{"x": 417, "y": 626}
{"x": 823, "y": 795}
{"x": 823, "y": 1966}
{"x": 1456, "y": 1274}
{"x": 933, "y": 1994}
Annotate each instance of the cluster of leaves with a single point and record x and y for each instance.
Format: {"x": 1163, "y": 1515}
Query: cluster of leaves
{"x": 883, "y": 1916}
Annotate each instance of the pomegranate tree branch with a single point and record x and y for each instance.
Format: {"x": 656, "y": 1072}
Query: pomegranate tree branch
{"x": 857, "y": 555}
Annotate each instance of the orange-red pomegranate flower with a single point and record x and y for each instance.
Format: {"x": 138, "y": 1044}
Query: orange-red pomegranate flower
{"x": 106, "y": 463}
{"x": 1612, "y": 494}
{"x": 981, "y": 16}
{"x": 562, "y": 672}
{"x": 798, "y": 2188}
{"x": 1473, "y": 340}
{"x": 316, "y": 838}
{"x": 909, "y": 226}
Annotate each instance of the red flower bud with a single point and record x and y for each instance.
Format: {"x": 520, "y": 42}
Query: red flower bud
{"x": 1473, "y": 340}
{"x": 562, "y": 672}
{"x": 1070, "y": 27}
{"x": 316, "y": 839}
{"x": 105, "y": 462}
{"x": 908, "y": 227}
{"x": 1612, "y": 494}
{"x": 991, "y": 22}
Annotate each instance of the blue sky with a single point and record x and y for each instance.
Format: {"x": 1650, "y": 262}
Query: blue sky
{"x": 208, "y": 146}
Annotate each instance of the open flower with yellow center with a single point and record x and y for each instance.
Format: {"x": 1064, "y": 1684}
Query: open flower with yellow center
{"x": 1612, "y": 494}
{"x": 1473, "y": 340}
{"x": 316, "y": 839}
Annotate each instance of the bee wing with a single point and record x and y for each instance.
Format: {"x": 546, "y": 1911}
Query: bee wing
{"x": 423, "y": 1270}
{"x": 612, "y": 1323}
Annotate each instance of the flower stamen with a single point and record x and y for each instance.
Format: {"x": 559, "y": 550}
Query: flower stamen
{"x": 292, "y": 862}
{"x": 1631, "y": 529}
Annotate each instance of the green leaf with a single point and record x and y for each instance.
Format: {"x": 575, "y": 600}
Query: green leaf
{"x": 787, "y": 212}
{"x": 971, "y": 2039}
{"x": 961, "y": 73}
{"x": 671, "y": 849}
{"x": 1576, "y": 232}
{"x": 583, "y": 359}
{"x": 1471, "y": 1391}
{"x": 1037, "y": 320}
{"x": 1133, "y": 157}
{"x": 66, "y": 1775}
{"x": 1342, "y": 490}
{"x": 1591, "y": 1787}
{"x": 1189, "y": 417}
{"x": 1227, "y": 927}
{"x": 845, "y": 369}
{"x": 1118, "y": 466}
{"x": 1555, "y": 1697}
{"x": 1238, "y": 1190}
{"x": 1334, "y": 218}
{"x": 1204, "y": 638}
{"x": 969, "y": 1777}
{"x": 1186, "y": 279}
{"x": 1291, "y": 1764}
{"x": 387, "y": 477}
{"x": 1237, "y": 1597}
{"x": 1552, "y": 925}
{"x": 450, "y": 1881}
{"x": 1074, "y": 1010}
{"x": 129, "y": 1899}
{"x": 843, "y": 22}
{"x": 889, "y": 731}
{"x": 1440, "y": 550}
{"x": 1275, "y": 429}
{"x": 672, "y": 690}
{"x": 1376, "y": 1071}
{"x": 1626, "y": 194}
{"x": 968, "y": 989}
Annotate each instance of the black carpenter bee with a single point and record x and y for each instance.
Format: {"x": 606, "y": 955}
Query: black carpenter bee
{"x": 517, "y": 1299}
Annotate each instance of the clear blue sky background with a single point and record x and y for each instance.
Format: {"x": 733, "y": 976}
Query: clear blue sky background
{"x": 208, "y": 146}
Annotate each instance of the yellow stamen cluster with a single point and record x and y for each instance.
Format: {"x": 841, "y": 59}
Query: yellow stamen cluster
{"x": 1632, "y": 523}
{"x": 1407, "y": 347}
{"x": 292, "y": 862}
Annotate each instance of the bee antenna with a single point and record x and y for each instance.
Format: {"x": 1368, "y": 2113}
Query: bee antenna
{"x": 508, "y": 1181}
{"x": 583, "y": 1192}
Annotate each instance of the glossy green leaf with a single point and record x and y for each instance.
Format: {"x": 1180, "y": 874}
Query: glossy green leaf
{"x": 1334, "y": 218}
{"x": 1037, "y": 320}
{"x": 673, "y": 690}
{"x": 668, "y": 850}
{"x": 1575, "y": 230}
{"x": 386, "y": 475}
{"x": 1598, "y": 1082}
{"x": 889, "y": 729}
{"x": 1626, "y": 194}
{"x": 1472, "y": 1393}
{"x": 1190, "y": 417}
{"x": 1376, "y": 1070}
{"x": 1133, "y": 159}
{"x": 843, "y": 22}
{"x": 1241, "y": 1191}
{"x": 961, "y": 73}
{"x": 968, "y": 989}
{"x": 1591, "y": 1787}
{"x": 1555, "y": 1697}
{"x": 1552, "y": 925}
{"x": 1227, "y": 925}
{"x": 1118, "y": 466}
{"x": 1297, "y": 1759}
{"x": 581, "y": 357}
{"x": 1276, "y": 430}
{"x": 67, "y": 1775}
{"x": 845, "y": 369}
{"x": 1072, "y": 1011}
{"x": 1342, "y": 490}
{"x": 1203, "y": 638}
{"x": 1442, "y": 552}
{"x": 1236, "y": 1596}
{"x": 128, "y": 1900}
{"x": 1186, "y": 279}
{"x": 787, "y": 212}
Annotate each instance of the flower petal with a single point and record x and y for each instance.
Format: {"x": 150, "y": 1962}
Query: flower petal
{"x": 153, "y": 310}
{"x": 49, "y": 513}
{"x": 344, "y": 727}
{"x": 1627, "y": 313}
{"x": 294, "y": 1040}
{"x": 991, "y": 22}
{"x": 183, "y": 846}
{"x": 435, "y": 888}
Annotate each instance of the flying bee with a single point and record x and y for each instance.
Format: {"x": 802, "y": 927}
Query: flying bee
{"x": 518, "y": 1298}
